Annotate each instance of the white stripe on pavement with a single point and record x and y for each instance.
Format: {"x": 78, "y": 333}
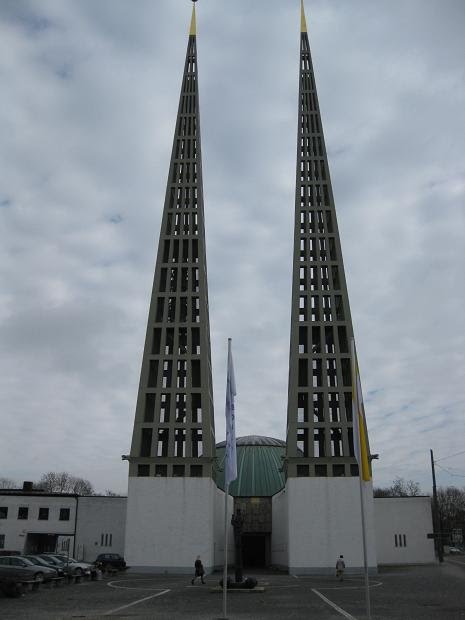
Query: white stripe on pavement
{"x": 334, "y": 606}
{"x": 141, "y": 600}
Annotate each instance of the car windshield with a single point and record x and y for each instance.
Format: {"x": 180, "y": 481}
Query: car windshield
{"x": 21, "y": 561}
{"x": 52, "y": 560}
{"x": 37, "y": 561}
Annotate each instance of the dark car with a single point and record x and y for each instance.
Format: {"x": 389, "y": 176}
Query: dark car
{"x": 29, "y": 570}
{"x": 110, "y": 560}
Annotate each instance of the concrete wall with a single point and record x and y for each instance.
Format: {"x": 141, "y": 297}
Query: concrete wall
{"x": 404, "y": 516}
{"x": 16, "y": 530}
{"x": 218, "y": 520}
{"x": 100, "y": 527}
{"x": 169, "y": 522}
{"x": 279, "y": 532}
{"x": 325, "y": 522}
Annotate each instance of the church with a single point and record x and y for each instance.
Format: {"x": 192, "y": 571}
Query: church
{"x": 301, "y": 496}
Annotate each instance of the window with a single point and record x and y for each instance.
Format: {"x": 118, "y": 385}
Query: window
{"x": 178, "y": 471}
{"x": 143, "y": 470}
{"x": 64, "y": 514}
{"x": 145, "y": 442}
{"x": 43, "y": 514}
{"x": 106, "y": 540}
{"x": 302, "y": 471}
{"x": 2, "y": 541}
{"x": 161, "y": 471}
{"x": 3, "y": 512}
{"x": 23, "y": 512}
{"x": 400, "y": 540}
{"x": 196, "y": 471}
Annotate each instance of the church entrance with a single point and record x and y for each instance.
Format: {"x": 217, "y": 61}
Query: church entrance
{"x": 256, "y": 550}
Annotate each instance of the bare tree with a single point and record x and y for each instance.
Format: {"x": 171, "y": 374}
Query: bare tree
{"x": 63, "y": 482}
{"x": 451, "y": 505}
{"x": 8, "y": 483}
{"x": 399, "y": 488}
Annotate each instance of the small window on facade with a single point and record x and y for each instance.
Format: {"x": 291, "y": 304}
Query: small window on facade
{"x": 3, "y": 512}
{"x": 178, "y": 471}
{"x": 153, "y": 372}
{"x": 149, "y": 407}
{"x": 146, "y": 442}
{"x": 354, "y": 470}
{"x": 196, "y": 471}
{"x": 302, "y": 407}
{"x": 156, "y": 341}
{"x": 43, "y": 514}
{"x": 64, "y": 514}
{"x": 196, "y": 380}
{"x": 2, "y": 541}
{"x": 23, "y": 512}
{"x": 338, "y": 471}
{"x": 143, "y": 470}
{"x": 303, "y": 372}
{"x": 321, "y": 471}
{"x": 161, "y": 471}
{"x": 302, "y": 471}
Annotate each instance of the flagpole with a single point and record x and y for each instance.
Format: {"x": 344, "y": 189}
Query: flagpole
{"x": 230, "y": 462}
{"x": 225, "y": 567}
{"x": 362, "y": 500}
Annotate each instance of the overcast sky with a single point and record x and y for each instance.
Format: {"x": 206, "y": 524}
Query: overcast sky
{"x": 89, "y": 94}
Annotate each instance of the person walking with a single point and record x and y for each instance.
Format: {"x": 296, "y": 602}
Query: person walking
{"x": 199, "y": 570}
{"x": 340, "y": 567}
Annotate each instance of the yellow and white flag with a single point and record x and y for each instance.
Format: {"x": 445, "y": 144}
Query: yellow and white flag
{"x": 361, "y": 446}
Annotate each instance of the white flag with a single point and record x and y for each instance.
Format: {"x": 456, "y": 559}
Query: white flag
{"x": 230, "y": 464}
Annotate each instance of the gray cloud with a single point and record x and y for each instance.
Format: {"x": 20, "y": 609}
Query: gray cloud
{"x": 90, "y": 93}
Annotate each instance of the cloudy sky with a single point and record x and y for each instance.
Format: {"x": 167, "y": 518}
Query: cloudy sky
{"x": 89, "y": 92}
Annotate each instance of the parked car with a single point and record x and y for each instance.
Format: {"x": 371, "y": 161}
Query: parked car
{"x": 36, "y": 559}
{"x": 69, "y": 565}
{"x": 110, "y": 560}
{"x": 11, "y": 578}
{"x": 455, "y": 550}
{"x": 28, "y": 568}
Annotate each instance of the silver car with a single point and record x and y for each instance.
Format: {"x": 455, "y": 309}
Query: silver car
{"x": 29, "y": 570}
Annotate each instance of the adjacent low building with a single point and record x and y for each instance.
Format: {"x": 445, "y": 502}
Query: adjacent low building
{"x": 32, "y": 521}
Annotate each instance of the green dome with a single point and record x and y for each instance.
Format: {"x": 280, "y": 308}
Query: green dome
{"x": 259, "y": 465}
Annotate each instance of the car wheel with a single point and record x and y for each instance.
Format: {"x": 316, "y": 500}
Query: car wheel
{"x": 38, "y": 576}
{"x": 78, "y": 572}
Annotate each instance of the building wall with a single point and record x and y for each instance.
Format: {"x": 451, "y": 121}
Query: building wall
{"x": 279, "y": 532}
{"x": 101, "y": 524}
{"x": 16, "y": 530}
{"x": 325, "y": 522}
{"x": 404, "y": 520}
{"x": 218, "y": 520}
{"x": 169, "y": 522}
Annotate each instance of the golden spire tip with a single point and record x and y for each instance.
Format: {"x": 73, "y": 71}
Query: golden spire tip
{"x": 193, "y": 28}
{"x": 303, "y": 21}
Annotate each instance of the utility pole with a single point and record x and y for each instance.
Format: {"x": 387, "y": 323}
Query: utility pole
{"x": 436, "y": 519}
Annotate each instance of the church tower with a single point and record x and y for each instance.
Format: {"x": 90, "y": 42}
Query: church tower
{"x": 321, "y": 471}
{"x": 171, "y": 463}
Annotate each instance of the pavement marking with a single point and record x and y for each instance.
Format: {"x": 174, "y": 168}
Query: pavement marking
{"x": 334, "y": 606}
{"x": 141, "y": 600}
{"x": 373, "y": 584}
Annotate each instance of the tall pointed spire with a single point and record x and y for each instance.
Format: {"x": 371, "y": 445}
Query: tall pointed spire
{"x": 319, "y": 417}
{"x": 174, "y": 425}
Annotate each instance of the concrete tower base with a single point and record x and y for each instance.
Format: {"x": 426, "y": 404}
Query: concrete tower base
{"x": 321, "y": 520}
{"x": 170, "y": 521}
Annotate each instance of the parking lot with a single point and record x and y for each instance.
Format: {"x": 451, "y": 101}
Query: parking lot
{"x": 407, "y": 593}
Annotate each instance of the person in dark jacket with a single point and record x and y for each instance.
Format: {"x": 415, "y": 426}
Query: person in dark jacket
{"x": 199, "y": 570}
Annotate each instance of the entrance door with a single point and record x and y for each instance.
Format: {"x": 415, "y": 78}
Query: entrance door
{"x": 254, "y": 550}
{"x": 38, "y": 543}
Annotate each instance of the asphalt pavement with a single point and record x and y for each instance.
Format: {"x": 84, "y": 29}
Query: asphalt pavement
{"x": 399, "y": 593}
